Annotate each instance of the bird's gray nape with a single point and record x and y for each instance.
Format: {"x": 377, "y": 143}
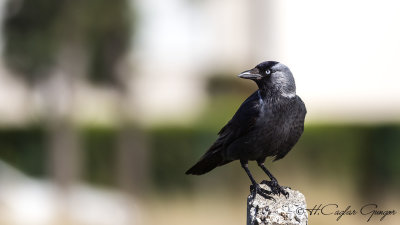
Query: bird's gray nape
{"x": 284, "y": 83}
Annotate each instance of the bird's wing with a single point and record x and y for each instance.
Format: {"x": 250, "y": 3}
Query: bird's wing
{"x": 240, "y": 124}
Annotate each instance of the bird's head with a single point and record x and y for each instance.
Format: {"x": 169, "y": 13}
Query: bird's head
{"x": 273, "y": 78}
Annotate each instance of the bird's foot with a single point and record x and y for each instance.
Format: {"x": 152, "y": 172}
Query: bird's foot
{"x": 257, "y": 189}
{"x": 276, "y": 188}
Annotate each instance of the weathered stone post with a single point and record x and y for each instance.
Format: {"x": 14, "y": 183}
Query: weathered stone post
{"x": 277, "y": 210}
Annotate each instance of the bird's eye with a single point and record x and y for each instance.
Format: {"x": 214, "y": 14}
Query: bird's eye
{"x": 267, "y": 72}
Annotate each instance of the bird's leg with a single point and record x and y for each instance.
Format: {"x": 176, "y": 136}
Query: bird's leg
{"x": 275, "y": 187}
{"x": 255, "y": 188}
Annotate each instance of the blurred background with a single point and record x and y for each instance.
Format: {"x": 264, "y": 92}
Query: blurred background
{"x": 105, "y": 104}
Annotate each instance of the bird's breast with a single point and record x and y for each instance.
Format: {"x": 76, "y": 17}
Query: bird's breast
{"x": 272, "y": 128}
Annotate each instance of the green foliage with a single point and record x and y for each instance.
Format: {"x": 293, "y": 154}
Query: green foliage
{"x": 332, "y": 149}
{"x": 173, "y": 150}
{"x": 359, "y": 153}
{"x": 365, "y": 154}
{"x": 37, "y": 30}
{"x": 99, "y": 155}
{"x": 30, "y": 36}
{"x": 379, "y": 160}
{"x": 106, "y": 29}
{"x": 25, "y": 149}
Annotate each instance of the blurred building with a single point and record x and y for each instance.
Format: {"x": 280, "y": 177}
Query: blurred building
{"x": 345, "y": 65}
{"x": 344, "y": 60}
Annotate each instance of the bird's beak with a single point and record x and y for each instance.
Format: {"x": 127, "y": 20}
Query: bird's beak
{"x": 252, "y": 74}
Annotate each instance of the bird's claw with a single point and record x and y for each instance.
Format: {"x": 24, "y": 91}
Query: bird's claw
{"x": 276, "y": 188}
{"x": 257, "y": 189}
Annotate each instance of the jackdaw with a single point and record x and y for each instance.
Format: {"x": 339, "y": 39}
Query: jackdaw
{"x": 268, "y": 123}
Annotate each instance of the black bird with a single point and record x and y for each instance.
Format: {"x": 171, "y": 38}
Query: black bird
{"x": 268, "y": 123}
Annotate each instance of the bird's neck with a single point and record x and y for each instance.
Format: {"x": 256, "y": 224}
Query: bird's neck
{"x": 273, "y": 93}
{"x": 266, "y": 90}
{"x": 269, "y": 90}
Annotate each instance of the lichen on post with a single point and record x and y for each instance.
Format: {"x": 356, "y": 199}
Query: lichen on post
{"x": 278, "y": 209}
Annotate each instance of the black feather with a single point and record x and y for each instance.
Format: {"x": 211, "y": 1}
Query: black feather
{"x": 268, "y": 123}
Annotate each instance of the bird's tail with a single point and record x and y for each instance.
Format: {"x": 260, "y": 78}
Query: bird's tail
{"x": 208, "y": 162}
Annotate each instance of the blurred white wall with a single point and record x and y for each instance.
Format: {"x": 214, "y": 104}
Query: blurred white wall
{"x": 343, "y": 54}
{"x": 178, "y": 43}
{"x": 28, "y": 201}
